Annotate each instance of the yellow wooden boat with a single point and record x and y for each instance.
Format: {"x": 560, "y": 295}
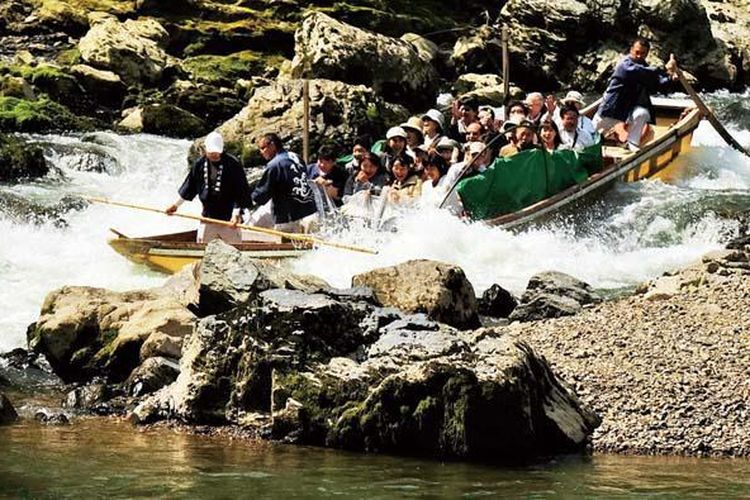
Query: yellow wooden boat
{"x": 171, "y": 252}
{"x": 676, "y": 120}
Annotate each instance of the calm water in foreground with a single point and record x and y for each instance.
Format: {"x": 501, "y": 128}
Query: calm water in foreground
{"x": 103, "y": 458}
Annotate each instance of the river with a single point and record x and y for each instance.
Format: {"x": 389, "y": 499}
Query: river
{"x": 635, "y": 233}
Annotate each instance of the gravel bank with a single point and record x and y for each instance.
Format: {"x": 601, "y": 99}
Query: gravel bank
{"x": 668, "y": 370}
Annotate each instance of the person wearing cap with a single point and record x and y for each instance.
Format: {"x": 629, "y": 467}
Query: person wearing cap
{"x": 523, "y": 139}
{"x": 448, "y": 149}
{"x": 627, "y": 98}
{"x": 327, "y": 174}
{"x": 413, "y": 129}
{"x": 395, "y": 146}
{"x": 572, "y": 136}
{"x": 572, "y": 98}
{"x": 433, "y": 126}
{"x": 464, "y": 113}
{"x": 219, "y": 182}
{"x": 285, "y": 183}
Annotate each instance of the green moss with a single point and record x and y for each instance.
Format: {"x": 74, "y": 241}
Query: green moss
{"x": 42, "y": 115}
{"x": 69, "y": 57}
{"x": 19, "y": 160}
{"x": 226, "y": 70}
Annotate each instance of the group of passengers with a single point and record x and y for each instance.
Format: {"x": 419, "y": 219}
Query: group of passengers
{"x": 420, "y": 159}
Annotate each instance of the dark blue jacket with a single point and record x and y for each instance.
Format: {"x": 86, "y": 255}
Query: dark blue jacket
{"x": 630, "y": 86}
{"x": 234, "y": 191}
{"x": 285, "y": 182}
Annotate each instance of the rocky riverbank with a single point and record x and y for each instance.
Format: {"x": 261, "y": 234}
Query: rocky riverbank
{"x": 286, "y": 357}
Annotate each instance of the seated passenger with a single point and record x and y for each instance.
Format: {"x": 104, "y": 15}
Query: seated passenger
{"x": 523, "y": 139}
{"x": 574, "y": 98}
{"x": 535, "y": 103}
{"x": 433, "y": 125}
{"x": 370, "y": 177}
{"x": 395, "y": 146}
{"x": 434, "y": 187}
{"x": 414, "y": 137}
{"x": 549, "y": 135}
{"x": 464, "y": 114}
{"x": 361, "y": 146}
{"x": 571, "y": 135}
{"x": 516, "y": 111}
{"x": 328, "y": 175}
{"x": 448, "y": 149}
{"x": 474, "y": 132}
{"x": 406, "y": 185}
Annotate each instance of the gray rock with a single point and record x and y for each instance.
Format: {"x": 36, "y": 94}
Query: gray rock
{"x": 227, "y": 278}
{"x": 421, "y": 286}
{"x": 326, "y": 48}
{"x": 552, "y": 294}
{"x": 20, "y": 160}
{"x": 50, "y": 417}
{"x": 8, "y": 414}
{"x": 497, "y": 302}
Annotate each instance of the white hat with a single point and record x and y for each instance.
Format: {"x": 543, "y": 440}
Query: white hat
{"x": 214, "y": 143}
{"x": 395, "y": 132}
{"x": 573, "y": 96}
{"x": 436, "y": 116}
{"x": 475, "y": 147}
{"x": 446, "y": 143}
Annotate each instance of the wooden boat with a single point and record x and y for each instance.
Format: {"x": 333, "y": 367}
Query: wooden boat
{"x": 676, "y": 120}
{"x": 170, "y": 252}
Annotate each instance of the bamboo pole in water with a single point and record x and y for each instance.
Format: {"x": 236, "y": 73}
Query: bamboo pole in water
{"x": 274, "y": 232}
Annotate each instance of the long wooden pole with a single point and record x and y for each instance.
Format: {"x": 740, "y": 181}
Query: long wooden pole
{"x": 290, "y": 236}
{"x": 506, "y": 67}
{"x": 306, "y": 121}
{"x": 710, "y": 116}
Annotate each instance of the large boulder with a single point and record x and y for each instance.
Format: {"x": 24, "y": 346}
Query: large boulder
{"x": 394, "y": 68}
{"x": 286, "y": 370}
{"x": 480, "y": 51}
{"x": 228, "y": 278}
{"x": 730, "y": 27}
{"x": 339, "y": 112}
{"x": 132, "y": 49}
{"x": 20, "y": 160}
{"x": 104, "y": 86}
{"x": 163, "y": 119}
{"x": 8, "y": 414}
{"x": 86, "y": 332}
{"x": 423, "y": 286}
{"x": 553, "y": 294}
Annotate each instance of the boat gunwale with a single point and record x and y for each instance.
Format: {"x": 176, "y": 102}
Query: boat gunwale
{"x": 686, "y": 125}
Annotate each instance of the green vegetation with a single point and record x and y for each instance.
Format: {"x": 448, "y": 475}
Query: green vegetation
{"x": 18, "y": 160}
{"x": 42, "y": 115}
{"x": 226, "y": 70}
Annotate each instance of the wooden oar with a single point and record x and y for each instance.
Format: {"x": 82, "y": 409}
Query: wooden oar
{"x": 710, "y": 116}
{"x": 290, "y": 236}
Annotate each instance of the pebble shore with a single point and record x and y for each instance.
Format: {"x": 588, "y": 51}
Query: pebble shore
{"x": 668, "y": 372}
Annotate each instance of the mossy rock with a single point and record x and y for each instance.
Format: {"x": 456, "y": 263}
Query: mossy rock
{"x": 171, "y": 121}
{"x": 19, "y": 160}
{"x": 226, "y": 70}
{"x": 41, "y": 115}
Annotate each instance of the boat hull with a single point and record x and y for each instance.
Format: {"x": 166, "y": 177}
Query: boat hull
{"x": 169, "y": 253}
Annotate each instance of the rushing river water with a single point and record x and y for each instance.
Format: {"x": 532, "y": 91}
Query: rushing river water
{"x": 633, "y": 234}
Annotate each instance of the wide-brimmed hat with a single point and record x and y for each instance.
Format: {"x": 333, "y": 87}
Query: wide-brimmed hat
{"x": 446, "y": 143}
{"x": 436, "y": 116}
{"x": 395, "y": 132}
{"x": 573, "y": 97}
{"x": 413, "y": 123}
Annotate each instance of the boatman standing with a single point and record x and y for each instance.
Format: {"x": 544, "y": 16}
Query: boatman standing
{"x": 285, "y": 184}
{"x": 627, "y": 98}
{"x": 219, "y": 181}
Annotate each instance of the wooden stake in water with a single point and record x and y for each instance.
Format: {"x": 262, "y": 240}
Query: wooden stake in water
{"x": 306, "y": 121}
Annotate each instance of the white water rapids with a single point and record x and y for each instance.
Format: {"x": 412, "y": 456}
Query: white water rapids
{"x": 634, "y": 233}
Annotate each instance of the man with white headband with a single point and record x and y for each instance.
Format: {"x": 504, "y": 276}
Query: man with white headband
{"x": 219, "y": 181}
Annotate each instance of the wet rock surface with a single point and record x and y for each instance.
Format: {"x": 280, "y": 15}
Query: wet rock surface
{"x": 20, "y": 160}
{"x": 551, "y": 295}
{"x": 8, "y": 413}
{"x": 437, "y": 289}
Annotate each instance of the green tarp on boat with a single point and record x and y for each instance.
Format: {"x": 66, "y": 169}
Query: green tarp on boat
{"x": 516, "y": 182}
